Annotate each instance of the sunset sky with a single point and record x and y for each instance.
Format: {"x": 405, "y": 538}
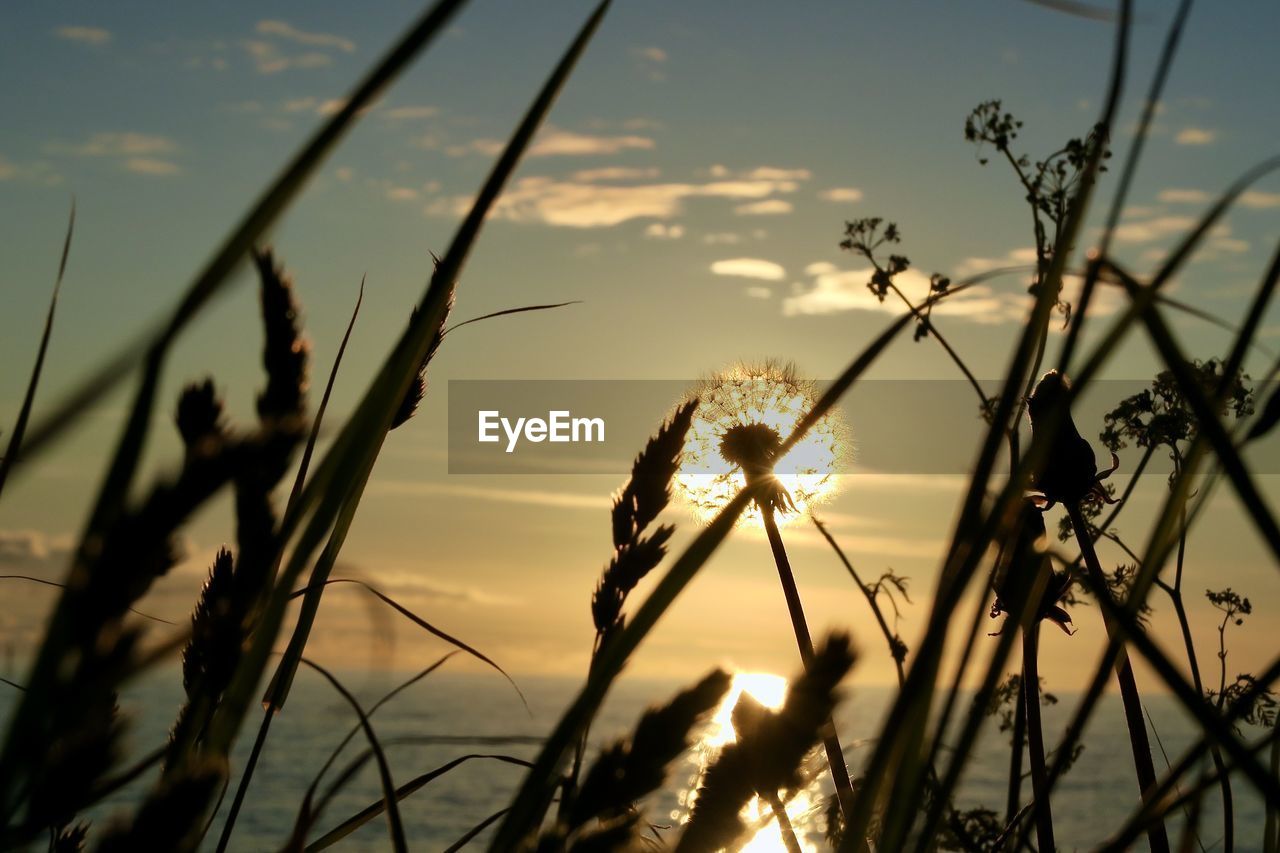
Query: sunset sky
{"x": 690, "y": 190}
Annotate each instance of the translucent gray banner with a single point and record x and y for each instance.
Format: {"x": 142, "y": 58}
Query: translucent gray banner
{"x": 891, "y": 426}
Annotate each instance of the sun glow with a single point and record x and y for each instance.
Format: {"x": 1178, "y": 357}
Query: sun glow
{"x": 769, "y": 399}
{"x": 803, "y": 808}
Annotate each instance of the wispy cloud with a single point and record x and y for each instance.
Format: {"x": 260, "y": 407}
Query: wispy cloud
{"x": 1259, "y": 200}
{"x": 151, "y": 166}
{"x": 141, "y": 153}
{"x": 832, "y": 290}
{"x": 1183, "y": 196}
{"x": 409, "y": 113}
{"x": 773, "y": 173}
{"x": 84, "y": 35}
{"x": 768, "y": 207}
{"x": 580, "y": 204}
{"x": 750, "y": 268}
{"x": 127, "y": 144}
{"x": 555, "y": 142}
{"x": 841, "y": 194}
{"x": 662, "y": 231}
{"x": 650, "y": 54}
{"x": 1149, "y": 230}
{"x": 286, "y": 31}
{"x": 1195, "y": 136}
{"x": 616, "y": 173}
{"x": 27, "y": 547}
{"x": 533, "y": 497}
{"x": 269, "y": 59}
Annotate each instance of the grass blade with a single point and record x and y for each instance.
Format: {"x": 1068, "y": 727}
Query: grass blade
{"x": 389, "y": 800}
{"x": 20, "y": 425}
{"x": 395, "y": 828}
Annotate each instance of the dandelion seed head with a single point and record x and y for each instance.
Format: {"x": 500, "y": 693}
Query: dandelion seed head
{"x": 744, "y": 414}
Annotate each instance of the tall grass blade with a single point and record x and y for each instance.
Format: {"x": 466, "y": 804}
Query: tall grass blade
{"x": 20, "y": 425}
{"x": 394, "y": 826}
{"x": 389, "y": 800}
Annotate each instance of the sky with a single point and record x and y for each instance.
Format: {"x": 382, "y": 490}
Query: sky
{"x": 689, "y": 191}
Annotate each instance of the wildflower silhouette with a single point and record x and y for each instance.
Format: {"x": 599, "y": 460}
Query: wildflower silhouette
{"x": 735, "y": 441}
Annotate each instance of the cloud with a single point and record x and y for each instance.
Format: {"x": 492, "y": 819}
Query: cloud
{"x": 659, "y": 231}
{"x": 615, "y": 173}
{"x": 1259, "y": 200}
{"x": 1014, "y": 258}
{"x": 38, "y": 171}
{"x": 283, "y": 30}
{"x": 562, "y": 500}
{"x": 268, "y": 59}
{"x": 1183, "y": 196}
{"x": 577, "y": 204}
{"x": 768, "y": 207}
{"x": 750, "y": 268}
{"x": 651, "y": 54}
{"x": 7, "y": 170}
{"x": 31, "y": 547}
{"x": 757, "y": 292}
{"x": 771, "y": 173}
{"x": 408, "y": 584}
{"x": 841, "y": 194}
{"x": 1146, "y": 231}
{"x": 554, "y": 142}
{"x": 832, "y": 290}
{"x": 401, "y": 193}
{"x": 318, "y": 106}
{"x": 151, "y": 166}
{"x": 117, "y": 145}
{"x": 84, "y": 35}
{"x": 717, "y": 238}
{"x": 409, "y": 113}
{"x": 1195, "y": 136}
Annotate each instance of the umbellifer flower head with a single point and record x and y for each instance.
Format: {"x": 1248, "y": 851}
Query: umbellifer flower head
{"x": 744, "y": 414}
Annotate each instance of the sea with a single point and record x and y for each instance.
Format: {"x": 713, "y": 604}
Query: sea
{"x": 446, "y": 716}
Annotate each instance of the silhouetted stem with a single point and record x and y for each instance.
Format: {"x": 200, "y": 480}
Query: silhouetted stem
{"x": 870, "y": 595}
{"x": 1035, "y": 735}
{"x": 1142, "y": 762}
{"x": 243, "y": 787}
{"x": 1014, "y": 797}
{"x": 1271, "y": 831}
{"x": 786, "y": 830}
{"x": 830, "y": 740}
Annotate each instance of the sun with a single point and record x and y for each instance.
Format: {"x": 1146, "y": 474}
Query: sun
{"x": 743, "y": 413}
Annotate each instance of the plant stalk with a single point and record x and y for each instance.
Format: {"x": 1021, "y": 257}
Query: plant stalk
{"x": 830, "y": 740}
{"x": 1142, "y": 762}
{"x": 1035, "y": 735}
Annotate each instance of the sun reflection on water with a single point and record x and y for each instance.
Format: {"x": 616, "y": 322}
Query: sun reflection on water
{"x": 803, "y": 808}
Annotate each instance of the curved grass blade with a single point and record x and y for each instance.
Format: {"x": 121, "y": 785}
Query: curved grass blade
{"x": 509, "y": 311}
{"x": 46, "y": 582}
{"x": 395, "y": 827}
{"x": 20, "y": 425}
{"x": 371, "y": 811}
{"x": 306, "y": 815}
{"x": 246, "y": 776}
{"x": 426, "y": 626}
{"x": 475, "y": 830}
{"x": 354, "y": 451}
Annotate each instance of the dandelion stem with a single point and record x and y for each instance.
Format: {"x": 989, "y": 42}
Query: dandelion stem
{"x": 786, "y": 830}
{"x": 830, "y": 740}
{"x": 1128, "y": 685}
